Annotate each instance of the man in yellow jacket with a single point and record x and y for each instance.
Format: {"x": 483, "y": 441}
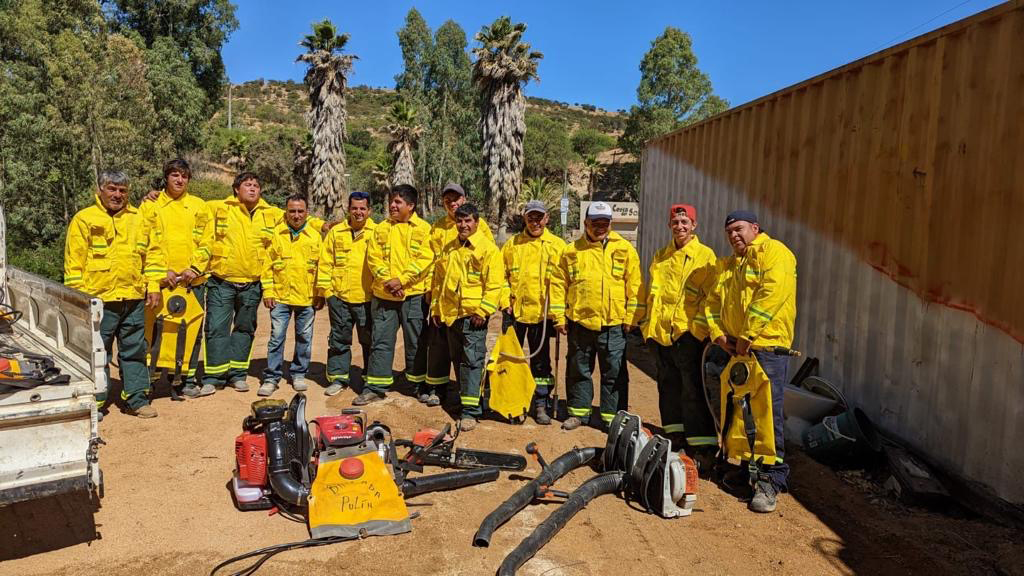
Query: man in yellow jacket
{"x": 530, "y": 259}
{"x": 595, "y": 296}
{"x": 289, "y": 289}
{"x": 751, "y": 311}
{"x": 400, "y": 261}
{"x": 112, "y": 253}
{"x": 187, "y": 238}
{"x": 681, "y": 275}
{"x": 344, "y": 279}
{"x": 468, "y": 279}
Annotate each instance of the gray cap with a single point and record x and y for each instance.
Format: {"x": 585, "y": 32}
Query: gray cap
{"x": 453, "y": 187}
{"x": 599, "y": 210}
{"x": 535, "y": 206}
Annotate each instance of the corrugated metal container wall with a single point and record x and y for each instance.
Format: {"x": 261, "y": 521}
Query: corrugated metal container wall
{"x": 898, "y": 181}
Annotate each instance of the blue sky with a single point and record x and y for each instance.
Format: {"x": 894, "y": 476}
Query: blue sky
{"x": 592, "y": 50}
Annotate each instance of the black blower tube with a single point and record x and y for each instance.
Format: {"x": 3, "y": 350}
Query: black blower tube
{"x": 560, "y": 467}
{"x": 448, "y": 481}
{"x": 283, "y": 484}
{"x": 604, "y": 483}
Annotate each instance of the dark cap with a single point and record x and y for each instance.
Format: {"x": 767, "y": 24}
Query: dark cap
{"x": 453, "y": 187}
{"x": 741, "y": 215}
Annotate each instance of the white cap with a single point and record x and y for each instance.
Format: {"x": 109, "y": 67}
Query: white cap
{"x": 599, "y": 210}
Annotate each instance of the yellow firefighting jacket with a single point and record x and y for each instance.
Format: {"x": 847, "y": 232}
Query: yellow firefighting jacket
{"x": 400, "y": 250}
{"x": 115, "y": 257}
{"x": 290, "y": 274}
{"x": 680, "y": 280}
{"x": 468, "y": 277}
{"x": 443, "y": 231}
{"x": 598, "y": 284}
{"x": 755, "y": 295}
{"x": 187, "y": 231}
{"x": 241, "y": 239}
{"x": 344, "y": 271}
{"x": 529, "y": 264}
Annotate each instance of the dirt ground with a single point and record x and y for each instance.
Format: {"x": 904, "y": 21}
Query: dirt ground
{"x": 167, "y": 510}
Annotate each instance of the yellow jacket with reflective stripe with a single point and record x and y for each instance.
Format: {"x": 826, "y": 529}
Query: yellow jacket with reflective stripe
{"x": 443, "y": 231}
{"x": 680, "y": 279}
{"x": 344, "y": 270}
{"x": 401, "y": 250}
{"x": 598, "y": 284}
{"x": 468, "y": 277}
{"x": 115, "y": 257}
{"x": 755, "y": 295}
{"x": 187, "y": 231}
{"x": 290, "y": 274}
{"x": 529, "y": 264}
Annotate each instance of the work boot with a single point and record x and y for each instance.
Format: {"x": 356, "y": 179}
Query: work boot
{"x": 299, "y": 383}
{"x": 433, "y": 400}
{"x": 423, "y": 397}
{"x": 145, "y": 411}
{"x": 334, "y": 388}
{"x": 571, "y": 423}
{"x": 467, "y": 423}
{"x": 267, "y": 388}
{"x": 207, "y": 390}
{"x": 190, "y": 390}
{"x": 367, "y": 397}
{"x": 706, "y": 460}
{"x": 239, "y": 384}
{"x": 540, "y": 413}
{"x": 764, "y": 498}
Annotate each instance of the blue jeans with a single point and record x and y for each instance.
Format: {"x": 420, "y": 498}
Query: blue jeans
{"x": 777, "y": 369}
{"x": 280, "y": 315}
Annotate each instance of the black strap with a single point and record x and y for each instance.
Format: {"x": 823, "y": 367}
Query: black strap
{"x": 614, "y": 429}
{"x": 179, "y": 351}
{"x": 722, "y": 456}
{"x": 154, "y": 348}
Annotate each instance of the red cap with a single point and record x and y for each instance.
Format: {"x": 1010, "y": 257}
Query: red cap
{"x": 688, "y": 208}
{"x": 351, "y": 468}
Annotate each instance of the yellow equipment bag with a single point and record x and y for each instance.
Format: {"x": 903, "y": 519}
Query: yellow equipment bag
{"x": 354, "y": 495}
{"x": 746, "y": 395}
{"x": 174, "y": 331}
{"x": 512, "y": 384}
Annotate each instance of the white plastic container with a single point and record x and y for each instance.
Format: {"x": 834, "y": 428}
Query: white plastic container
{"x": 245, "y": 493}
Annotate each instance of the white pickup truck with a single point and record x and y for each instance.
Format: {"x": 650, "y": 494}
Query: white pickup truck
{"x": 49, "y": 434}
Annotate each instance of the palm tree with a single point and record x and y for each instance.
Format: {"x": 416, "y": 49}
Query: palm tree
{"x": 594, "y": 169}
{"x": 503, "y": 65}
{"x": 326, "y": 81}
{"x": 381, "y": 178}
{"x": 540, "y": 189}
{"x": 405, "y": 135}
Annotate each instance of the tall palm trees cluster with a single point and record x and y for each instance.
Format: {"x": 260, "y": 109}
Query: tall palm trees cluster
{"x": 503, "y": 66}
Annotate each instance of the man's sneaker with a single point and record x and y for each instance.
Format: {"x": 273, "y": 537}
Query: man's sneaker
{"x": 467, "y": 423}
{"x": 433, "y": 400}
{"x": 299, "y": 383}
{"x": 423, "y": 397}
{"x": 207, "y": 390}
{"x": 540, "y": 414}
{"x": 571, "y": 423}
{"x": 239, "y": 384}
{"x": 764, "y": 498}
{"x": 333, "y": 389}
{"x": 267, "y": 388}
{"x": 190, "y": 390}
{"x": 99, "y": 416}
{"x": 146, "y": 411}
{"x": 367, "y": 397}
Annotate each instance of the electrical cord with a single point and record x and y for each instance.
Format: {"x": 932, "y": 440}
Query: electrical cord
{"x": 270, "y": 551}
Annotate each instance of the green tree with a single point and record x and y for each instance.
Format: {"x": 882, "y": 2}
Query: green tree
{"x": 547, "y": 150}
{"x": 591, "y": 142}
{"x": 416, "y": 44}
{"x": 504, "y": 64}
{"x": 179, "y": 100}
{"x": 326, "y": 79}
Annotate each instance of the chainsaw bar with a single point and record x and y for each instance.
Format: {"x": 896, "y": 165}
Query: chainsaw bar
{"x": 468, "y": 459}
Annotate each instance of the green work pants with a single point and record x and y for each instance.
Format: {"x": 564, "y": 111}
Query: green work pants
{"x": 125, "y": 321}
{"x": 467, "y": 345}
{"x": 681, "y": 399}
{"x": 230, "y": 328}
{"x": 386, "y": 316}
{"x": 608, "y": 346}
{"x": 439, "y": 361}
{"x": 344, "y": 317}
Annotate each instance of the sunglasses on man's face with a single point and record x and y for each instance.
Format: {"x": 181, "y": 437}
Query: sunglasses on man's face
{"x": 360, "y": 195}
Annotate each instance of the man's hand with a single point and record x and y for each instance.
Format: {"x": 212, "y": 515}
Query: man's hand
{"x": 724, "y": 344}
{"x": 170, "y": 280}
{"x": 187, "y": 276}
{"x": 151, "y": 196}
{"x": 435, "y": 321}
{"x": 328, "y": 225}
{"x": 508, "y": 310}
{"x": 318, "y": 302}
{"x": 269, "y": 303}
{"x": 742, "y": 347}
{"x": 627, "y": 328}
{"x": 477, "y": 320}
{"x": 393, "y": 286}
{"x": 153, "y": 300}
{"x": 561, "y": 329}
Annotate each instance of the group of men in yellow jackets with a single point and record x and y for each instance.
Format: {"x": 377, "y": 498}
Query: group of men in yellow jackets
{"x": 440, "y": 284}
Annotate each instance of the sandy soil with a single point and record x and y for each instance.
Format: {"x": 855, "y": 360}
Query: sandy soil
{"x": 167, "y": 510}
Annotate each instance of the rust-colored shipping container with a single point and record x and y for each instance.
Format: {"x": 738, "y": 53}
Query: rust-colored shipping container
{"x": 898, "y": 181}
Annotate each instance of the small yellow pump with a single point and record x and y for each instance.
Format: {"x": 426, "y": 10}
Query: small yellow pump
{"x": 746, "y": 408}
{"x": 174, "y": 331}
{"x": 512, "y": 384}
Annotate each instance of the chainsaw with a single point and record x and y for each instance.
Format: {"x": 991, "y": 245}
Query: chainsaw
{"x": 430, "y": 447}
